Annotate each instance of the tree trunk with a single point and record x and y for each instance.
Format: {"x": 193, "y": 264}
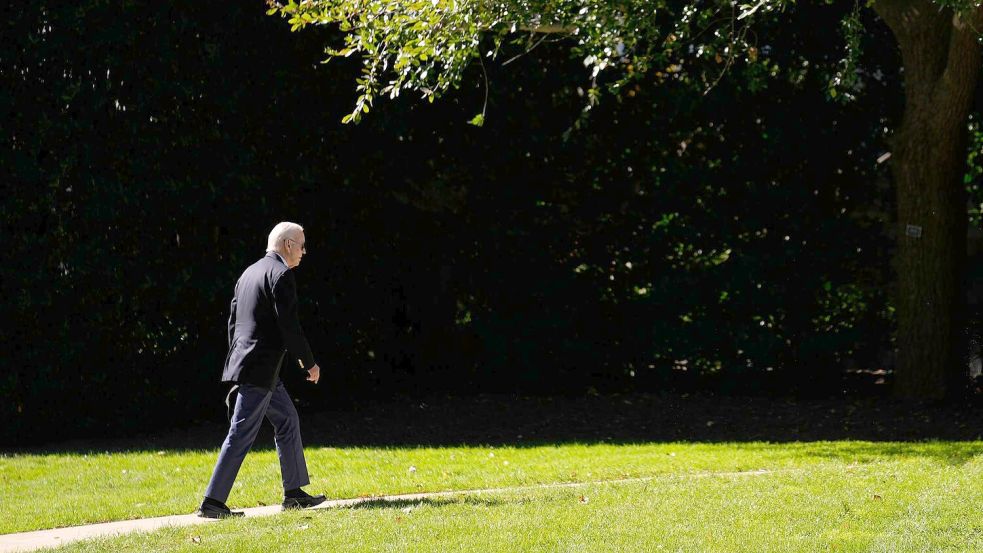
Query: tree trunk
{"x": 941, "y": 61}
{"x": 930, "y": 260}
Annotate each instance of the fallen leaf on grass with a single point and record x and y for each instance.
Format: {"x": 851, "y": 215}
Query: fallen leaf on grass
{"x": 195, "y": 539}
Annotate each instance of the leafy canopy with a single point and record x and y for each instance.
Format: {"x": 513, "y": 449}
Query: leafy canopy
{"x": 426, "y": 45}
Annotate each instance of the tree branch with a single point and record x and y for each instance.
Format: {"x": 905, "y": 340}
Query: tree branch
{"x": 958, "y": 81}
{"x": 547, "y": 29}
{"x": 922, "y": 31}
{"x": 891, "y": 12}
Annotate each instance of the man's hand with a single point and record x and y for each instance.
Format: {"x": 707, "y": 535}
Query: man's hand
{"x": 314, "y": 374}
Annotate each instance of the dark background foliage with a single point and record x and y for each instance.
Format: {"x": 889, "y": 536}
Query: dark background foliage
{"x": 734, "y": 241}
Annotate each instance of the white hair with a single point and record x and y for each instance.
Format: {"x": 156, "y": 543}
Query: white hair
{"x": 280, "y": 233}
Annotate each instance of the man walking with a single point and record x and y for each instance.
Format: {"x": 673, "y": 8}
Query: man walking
{"x": 263, "y": 328}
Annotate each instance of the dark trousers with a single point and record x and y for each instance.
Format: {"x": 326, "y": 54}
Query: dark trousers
{"x": 252, "y": 405}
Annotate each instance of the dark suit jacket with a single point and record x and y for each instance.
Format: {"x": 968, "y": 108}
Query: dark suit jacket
{"x": 263, "y": 326}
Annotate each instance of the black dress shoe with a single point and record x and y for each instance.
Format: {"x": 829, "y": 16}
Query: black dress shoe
{"x": 211, "y": 508}
{"x": 302, "y": 500}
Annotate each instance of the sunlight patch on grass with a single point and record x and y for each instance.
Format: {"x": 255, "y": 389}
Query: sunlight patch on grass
{"x": 898, "y": 505}
{"x": 98, "y": 487}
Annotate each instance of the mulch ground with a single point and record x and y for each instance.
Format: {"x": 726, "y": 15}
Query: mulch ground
{"x": 637, "y": 418}
{"x": 617, "y": 418}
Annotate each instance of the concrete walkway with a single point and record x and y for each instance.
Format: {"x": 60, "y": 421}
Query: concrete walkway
{"x": 30, "y": 541}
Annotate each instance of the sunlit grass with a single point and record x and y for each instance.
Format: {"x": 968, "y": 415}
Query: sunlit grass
{"x": 47, "y": 491}
{"x": 895, "y": 503}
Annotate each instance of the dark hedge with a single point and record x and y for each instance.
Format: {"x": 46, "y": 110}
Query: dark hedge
{"x": 667, "y": 239}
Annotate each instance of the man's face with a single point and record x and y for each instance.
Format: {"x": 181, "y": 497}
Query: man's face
{"x": 296, "y": 247}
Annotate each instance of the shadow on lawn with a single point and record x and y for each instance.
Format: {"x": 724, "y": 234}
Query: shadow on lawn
{"x": 953, "y": 453}
{"x": 429, "y": 501}
{"x": 521, "y": 421}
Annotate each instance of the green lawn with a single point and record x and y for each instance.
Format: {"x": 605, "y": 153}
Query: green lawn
{"x": 836, "y": 496}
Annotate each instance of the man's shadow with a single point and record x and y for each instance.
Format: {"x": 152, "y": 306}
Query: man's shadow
{"x": 404, "y": 503}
